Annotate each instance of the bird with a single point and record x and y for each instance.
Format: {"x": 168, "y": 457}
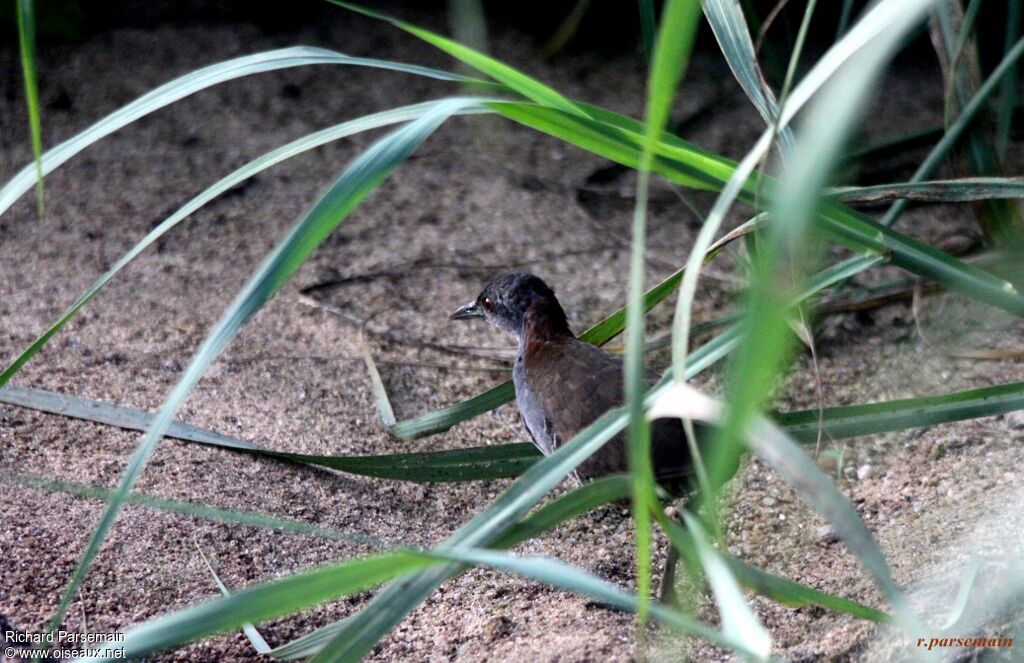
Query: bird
{"x": 563, "y": 384}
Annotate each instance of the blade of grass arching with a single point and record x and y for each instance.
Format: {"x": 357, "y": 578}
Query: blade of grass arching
{"x": 467, "y": 464}
{"x": 834, "y": 221}
{"x": 193, "y": 82}
{"x": 513, "y": 79}
{"x": 901, "y": 414}
{"x": 357, "y": 182}
{"x": 27, "y": 49}
{"x": 1008, "y": 90}
{"x": 730, "y": 28}
{"x": 358, "y": 634}
{"x": 936, "y": 191}
{"x": 263, "y": 602}
{"x": 285, "y": 596}
{"x": 767, "y": 344}
{"x": 203, "y": 511}
{"x": 738, "y": 620}
{"x": 306, "y": 143}
{"x": 779, "y": 589}
{"x": 509, "y": 460}
{"x": 671, "y": 55}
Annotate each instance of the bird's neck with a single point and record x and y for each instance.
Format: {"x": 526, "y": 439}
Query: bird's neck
{"x": 543, "y": 322}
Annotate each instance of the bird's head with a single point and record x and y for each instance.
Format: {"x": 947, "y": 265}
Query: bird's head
{"x": 514, "y": 301}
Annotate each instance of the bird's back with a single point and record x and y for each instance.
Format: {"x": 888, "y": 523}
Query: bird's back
{"x": 563, "y": 386}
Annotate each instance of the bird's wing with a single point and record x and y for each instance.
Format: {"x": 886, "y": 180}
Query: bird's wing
{"x": 535, "y": 414}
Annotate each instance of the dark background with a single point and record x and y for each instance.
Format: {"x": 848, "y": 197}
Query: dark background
{"x": 609, "y": 26}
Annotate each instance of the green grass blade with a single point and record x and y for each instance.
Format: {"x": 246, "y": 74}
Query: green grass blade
{"x": 512, "y": 78}
{"x": 473, "y": 463}
{"x": 767, "y": 343}
{"x": 266, "y": 601}
{"x": 560, "y": 574}
{"x": 191, "y": 83}
{"x": 365, "y": 123}
{"x": 671, "y": 55}
{"x": 937, "y": 191}
{"x": 27, "y": 49}
{"x": 901, "y": 414}
{"x": 730, "y": 28}
{"x": 247, "y": 518}
{"x": 571, "y": 505}
{"x": 357, "y": 182}
{"x": 834, "y": 221}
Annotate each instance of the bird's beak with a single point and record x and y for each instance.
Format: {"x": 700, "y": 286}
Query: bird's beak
{"x": 468, "y": 312}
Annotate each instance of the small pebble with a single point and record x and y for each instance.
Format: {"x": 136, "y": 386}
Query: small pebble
{"x": 863, "y": 472}
{"x": 826, "y": 534}
{"x": 768, "y": 501}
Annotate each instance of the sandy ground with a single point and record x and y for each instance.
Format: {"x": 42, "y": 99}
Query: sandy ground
{"x": 482, "y": 197}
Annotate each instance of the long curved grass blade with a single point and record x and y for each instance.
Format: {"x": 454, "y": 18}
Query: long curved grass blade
{"x": 467, "y": 464}
{"x": 475, "y": 463}
{"x": 258, "y": 165}
{"x": 785, "y": 255}
{"x": 265, "y": 602}
{"x": 834, "y": 221}
{"x": 357, "y": 182}
{"x": 485, "y": 64}
{"x": 937, "y": 191}
{"x": 873, "y": 418}
{"x": 730, "y": 27}
{"x": 280, "y": 597}
{"x": 573, "y": 579}
{"x": 254, "y": 636}
{"x": 27, "y": 49}
{"x": 193, "y": 82}
{"x": 247, "y": 518}
{"x": 670, "y": 58}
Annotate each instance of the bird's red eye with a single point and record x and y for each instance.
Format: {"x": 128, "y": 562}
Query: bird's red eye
{"x": 488, "y": 304}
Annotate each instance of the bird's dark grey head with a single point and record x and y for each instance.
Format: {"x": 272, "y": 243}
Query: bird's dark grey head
{"x": 512, "y": 301}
